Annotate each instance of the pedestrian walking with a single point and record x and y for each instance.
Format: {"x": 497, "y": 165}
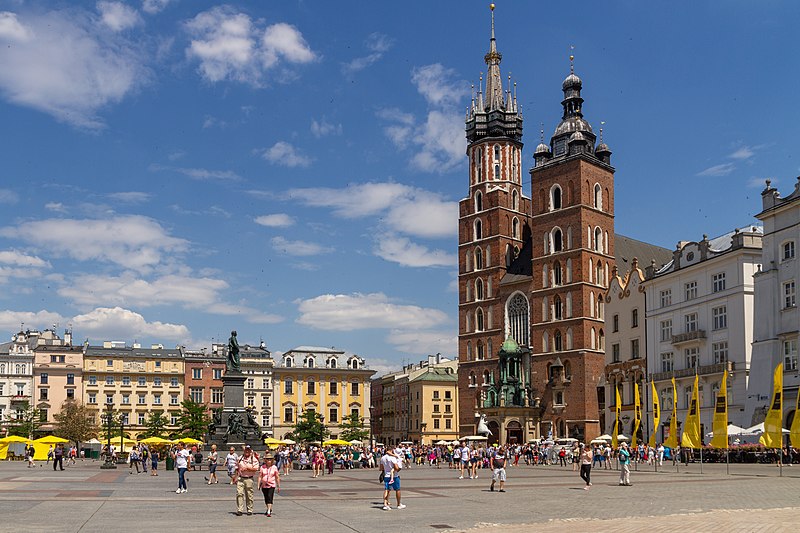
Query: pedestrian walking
{"x": 212, "y": 465}
{"x": 624, "y": 465}
{"x": 498, "y": 470}
{"x": 247, "y": 467}
{"x": 230, "y": 464}
{"x": 586, "y": 458}
{"x": 269, "y": 480}
{"x": 50, "y": 454}
{"x": 154, "y": 463}
{"x": 58, "y": 457}
{"x": 391, "y": 464}
{"x": 183, "y": 459}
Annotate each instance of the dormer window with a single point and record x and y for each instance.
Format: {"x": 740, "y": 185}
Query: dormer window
{"x": 310, "y": 362}
{"x": 288, "y": 362}
{"x": 332, "y": 362}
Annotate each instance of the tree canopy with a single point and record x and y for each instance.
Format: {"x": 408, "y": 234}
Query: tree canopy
{"x": 193, "y": 420}
{"x": 310, "y": 427}
{"x": 75, "y": 422}
{"x": 352, "y": 427}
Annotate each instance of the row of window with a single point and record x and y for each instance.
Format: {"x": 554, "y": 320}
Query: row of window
{"x": 197, "y": 373}
{"x": 311, "y": 387}
{"x": 44, "y": 378}
{"x": 477, "y": 229}
{"x": 634, "y": 353}
{"x": 196, "y": 395}
{"x": 558, "y": 200}
{"x": 141, "y": 381}
{"x": 19, "y": 369}
{"x": 634, "y": 321}
{"x": 494, "y": 162}
{"x": 251, "y": 383}
{"x": 20, "y": 389}
{"x": 309, "y": 362}
{"x": 479, "y": 202}
{"x": 44, "y": 394}
{"x": 719, "y": 351}
{"x": 718, "y": 284}
{"x": 91, "y": 398}
{"x": 333, "y": 414}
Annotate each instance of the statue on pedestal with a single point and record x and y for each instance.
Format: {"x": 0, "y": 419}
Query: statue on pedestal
{"x": 233, "y": 363}
{"x": 235, "y": 427}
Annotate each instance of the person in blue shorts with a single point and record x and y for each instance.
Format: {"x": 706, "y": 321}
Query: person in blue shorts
{"x": 391, "y": 464}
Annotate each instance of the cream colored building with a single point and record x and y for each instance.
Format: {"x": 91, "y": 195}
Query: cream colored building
{"x": 16, "y": 376}
{"x": 57, "y": 375}
{"x": 433, "y": 403}
{"x": 136, "y": 381}
{"x": 325, "y": 380}
{"x": 257, "y": 363}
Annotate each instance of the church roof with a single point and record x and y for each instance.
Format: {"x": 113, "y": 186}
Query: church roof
{"x": 626, "y": 248}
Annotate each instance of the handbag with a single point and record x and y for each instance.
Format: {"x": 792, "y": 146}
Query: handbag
{"x": 381, "y": 477}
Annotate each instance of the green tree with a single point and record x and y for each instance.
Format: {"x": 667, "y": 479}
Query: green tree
{"x": 27, "y": 423}
{"x": 156, "y": 424}
{"x": 75, "y": 422}
{"x": 194, "y": 419}
{"x": 352, "y": 427}
{"x": 309, "y": 428}
{"x": 113, "y": 430}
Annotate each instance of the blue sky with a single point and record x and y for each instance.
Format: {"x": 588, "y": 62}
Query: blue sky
{"x": 172, "y": 170}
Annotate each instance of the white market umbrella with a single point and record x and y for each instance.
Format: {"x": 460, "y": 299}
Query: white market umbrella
{"x": 441, "y": 442}
{"x": 622, "y": 437}
{"x": 475, "y": 437}
{"x": 758, "y": 429}
{"x": 733, "y": 430}
{"x": 605, "y": 437}
{"x": 355, "y": 441}
{"x": 598, "y": 441}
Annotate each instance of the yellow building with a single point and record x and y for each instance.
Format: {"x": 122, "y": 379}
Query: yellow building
{"x": 433, "y": 404}
{"x": 325, "y": 380}
{"x": 135, "y": 381}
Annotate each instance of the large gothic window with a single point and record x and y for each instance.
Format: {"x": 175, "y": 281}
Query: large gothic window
{"x": 478, "y": 201}
{"x": 558, "y": 243}
{"x": 598, "y": 197}
{"x": 479, "y": 289}
{"x": 478, "y": 229}
{"x": 478, "y": 259}
{"x": 598, "y": 240}
{"x": 517, "y": 319}
{"x": 479, "y": 320}
{"x": 558, "y": 309}
{"x": 557, "y": 341}
{"x": 557, "y": 280}
{"x": 515, "y": 200}
{"x": 515, "y": 228}
{"x": 555, "y": 198}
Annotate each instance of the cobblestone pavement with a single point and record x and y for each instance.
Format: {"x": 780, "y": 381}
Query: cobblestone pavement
{"x": 85, "y": 498}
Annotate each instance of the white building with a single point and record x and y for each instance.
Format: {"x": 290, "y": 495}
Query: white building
{"x": 700, "y": 321}
{"x": 257, "y": 365}
{"x": 777, "y": 320}
{"x": 16, "y": 375}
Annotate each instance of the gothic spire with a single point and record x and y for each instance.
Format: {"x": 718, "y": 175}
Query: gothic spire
{"x": 494, "y": 84}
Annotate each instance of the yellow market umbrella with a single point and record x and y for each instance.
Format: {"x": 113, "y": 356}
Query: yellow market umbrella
{"x": 155, "y": 440}
{"x": 189, "y": 440}
{"x": 336, "y": 442}
{"x": 51, "y": 439}
{"x": 13, "y": 438}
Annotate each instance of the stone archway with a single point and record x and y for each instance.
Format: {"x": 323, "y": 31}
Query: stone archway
{"x": 514, "y": 434}
{"x": 494, "y": 427}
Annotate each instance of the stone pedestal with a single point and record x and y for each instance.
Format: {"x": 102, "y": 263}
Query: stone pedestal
{"x": 234, "y": 413}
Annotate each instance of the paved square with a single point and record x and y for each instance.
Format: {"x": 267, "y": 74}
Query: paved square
{"x": 87, "y": 499}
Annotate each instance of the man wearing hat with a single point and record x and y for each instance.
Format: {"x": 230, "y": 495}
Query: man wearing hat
{"x": 269, "y": 480}
{"x": 246, "y": 468}
{"x": 624, "y": 465}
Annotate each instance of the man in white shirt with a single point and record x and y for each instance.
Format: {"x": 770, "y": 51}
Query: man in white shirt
{"x": 183, "y": 458}
{"x": 464, "y": 460}
{"x": 391, "y": 464}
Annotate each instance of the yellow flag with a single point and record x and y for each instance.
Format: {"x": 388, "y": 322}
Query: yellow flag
{"x": 773, "y": 423}
{"x": 720, "y": 439}
{"x": 618, "y": 409}
{"x": 672, "y": 439}
{"x": 656, "y": 415}
{"x": 637, "y": 414}
{"x": 691, "y": 426}
{"x": 794, "y": 432}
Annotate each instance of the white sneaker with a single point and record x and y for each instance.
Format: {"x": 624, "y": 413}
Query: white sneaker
{"x": 401, "y": 506}
{"x": 386, "y": 508}
{"x": 460, "y": 477}
{"x": 177, "y": 491}
{"x": 183, "y": 490}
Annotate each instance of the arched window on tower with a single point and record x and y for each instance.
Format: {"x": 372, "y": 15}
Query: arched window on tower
{"x": 591, "y": 270}
{"x": 569, "y": 339}
{"x": 479, "y": 320}
{"x": 468, "y": 257}
{"x": 489, "y": 288}
{"x": 515, "y": 228}
{"x": 545, "y": 342}
{"x": 478, "y": 259}
{"x": 509, "y": 255}
{"x": 478, "y": 229}
{"x": 478, "y": 201}
{"x": 599, "y": 277}
{"x": 472, "y": 380}
{"x": 569, "y": 238}
{"x": 593, "y": 339}
{"x": 569, "y": 305}
{"x": 558, "y": 243}
{"x": 545, "y": 309}
{"x": 555, "y": 197}
{"x": 480, "y": 352}
{"x": 515, "y": 200}
{"x": 518, "y": 319}
{"x": 569, "y": 270}
{"x": 497, "y": 172}
{"x": 496, "y": 153}
{"x": 591, "y": 304}
{"x": 598, "y": 240}
{"x": 601, "y": 341}
{"x": 605, "y": 242}
{"x": 598, "y": 197}
{"x": 557, "y": 341}
{"x": 557, "y": 308}
{"x": 488, "y": 256}
{"x": 557, "y": 273}
{"x": 546, "y": 243}
{"x": 479, "y": 289}
{"x": 479, "y": 165}
{"x": 469, "y": 351}
{"x": 545, "y": 276}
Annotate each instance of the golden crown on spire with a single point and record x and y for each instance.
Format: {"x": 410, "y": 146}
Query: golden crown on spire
{"x": 491, "y": 6}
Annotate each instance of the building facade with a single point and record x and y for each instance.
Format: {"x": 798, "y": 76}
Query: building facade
{"x": 135, "y": 381}
{"x": 57, "y": 375}
{"x": 257, "y": 365}
{"x": 700, "y": 322}
{"x": 203, "y": 377}
{"x": 330, "y": 382}
{"x": 776, "y": 318}
{"x": 16, "y": 376}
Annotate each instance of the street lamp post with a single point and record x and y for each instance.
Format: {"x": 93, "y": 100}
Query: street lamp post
{"x": 109, "y": 460}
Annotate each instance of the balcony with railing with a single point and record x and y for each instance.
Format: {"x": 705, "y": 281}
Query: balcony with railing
{"x": 702, "y": 370}
{"x": 689, "y": 336}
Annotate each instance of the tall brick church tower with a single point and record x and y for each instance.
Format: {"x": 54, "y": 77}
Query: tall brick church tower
{"x": 573, "y": 254}
{"x": 493, "y": 226}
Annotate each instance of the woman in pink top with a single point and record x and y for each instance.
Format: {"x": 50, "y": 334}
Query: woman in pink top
{"x": 269, "y": 480}
{"x": 318, "y": 462}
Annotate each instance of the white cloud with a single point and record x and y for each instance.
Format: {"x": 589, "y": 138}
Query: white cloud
{"x": 15, "y": 258}
{"x": 117, "y": 15}
{"x": 277, "y": 220}
{"x": 718, "y": 170}
{"x": 63, "y": 64}
{"x": 56, "y": 207}
{"x": 212, "y": 122}
{"x": 11, "y": 29}
{"x": 133, "y": 241}
{"x": 298, "y": 248}
{"x": 230, "y": 46}
{"x": 405, "y": 209}
{"x": 154, "y": 6}
{"x": 437, "y": 141}
{"x": 8, "y": 196}
{"x": 406, "y": 253}
{"x": 377, "y": 44}
{"x": 119, "y": 323}
{"x": 324, "y": 128}
{"x": 743, "y": 152}
{"x": 424, "y": 342}
{"x": 341, "y": 312}
{"x": 200, "y": 174}
{"x": 130, "y": 197}
{"x": 11, "y": 320}
{"x": 286, "y": 155}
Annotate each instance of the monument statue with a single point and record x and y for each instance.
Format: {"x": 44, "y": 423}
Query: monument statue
{"x": 483, "y": 427}
{"x": 234, "y": 426}
{"x": 233, "y": 364}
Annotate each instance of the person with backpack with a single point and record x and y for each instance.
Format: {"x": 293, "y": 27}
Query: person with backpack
{"x": 624, "y": 465}
{"x": 498, "y": 470}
